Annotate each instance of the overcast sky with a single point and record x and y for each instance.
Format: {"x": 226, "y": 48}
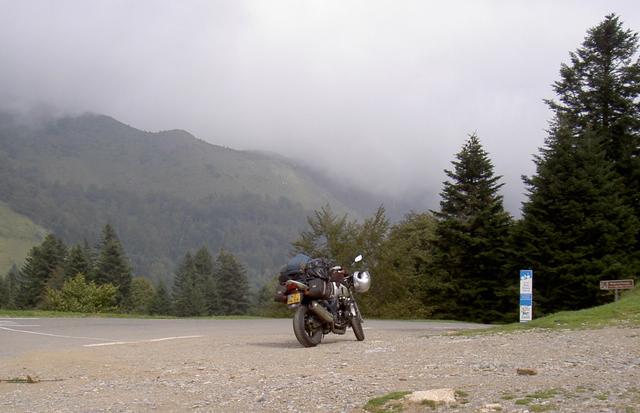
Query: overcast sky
{"x": 383, "y": 93}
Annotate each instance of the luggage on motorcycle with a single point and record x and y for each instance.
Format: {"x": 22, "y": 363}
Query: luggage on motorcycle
{"x": 319, "y": 288}
{"x": 317, "y": 268}
{"x": 294, "y": 269}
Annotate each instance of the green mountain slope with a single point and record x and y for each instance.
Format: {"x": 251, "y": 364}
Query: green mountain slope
{"x": 17, "y": 235}
{"x": 98, "y": 150}
{"x": 165, "y": 193}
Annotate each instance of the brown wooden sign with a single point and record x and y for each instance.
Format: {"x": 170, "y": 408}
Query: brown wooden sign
{"x": 616, "y": 284}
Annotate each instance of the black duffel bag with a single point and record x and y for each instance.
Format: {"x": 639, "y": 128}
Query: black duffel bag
{"x": 318, "y": 268}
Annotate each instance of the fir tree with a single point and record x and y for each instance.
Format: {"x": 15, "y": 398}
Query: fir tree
{"x": 468, "y": 280}
{"x": 233, "y": 286}
{"x": 11, "y": 287}
{"x": 41, "y": 264}
{"x": 204, "y": 273}
{"x": 188, "y": 294}
{"x": 112, "y": 266}
{"x": 598, "y": 94}
{"x": 4, "y": 292}
{"x": 161, "y": 302}
{"x": 576, "y": 228}
{"x": 78, "y": 262}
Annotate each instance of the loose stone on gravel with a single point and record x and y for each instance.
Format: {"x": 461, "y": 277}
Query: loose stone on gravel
{"x": 435, "y": 395}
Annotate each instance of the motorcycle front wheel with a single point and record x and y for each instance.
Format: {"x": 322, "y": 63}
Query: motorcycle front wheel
{"x": 307, "y": 329}
{"x": 356, "y": 325}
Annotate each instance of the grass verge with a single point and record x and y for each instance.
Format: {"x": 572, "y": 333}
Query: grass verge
{"x": 625, "y": 311}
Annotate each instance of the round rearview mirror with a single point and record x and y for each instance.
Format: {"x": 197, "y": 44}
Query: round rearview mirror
{"x": 358, "y": 258}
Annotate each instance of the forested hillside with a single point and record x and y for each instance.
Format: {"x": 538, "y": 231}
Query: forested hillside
{"x": 164, "y": 193}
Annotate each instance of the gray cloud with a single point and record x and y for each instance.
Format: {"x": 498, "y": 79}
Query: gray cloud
{"x": 383, "y": 92}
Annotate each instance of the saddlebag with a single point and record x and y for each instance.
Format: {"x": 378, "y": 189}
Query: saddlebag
{"x": 319, "y": 288}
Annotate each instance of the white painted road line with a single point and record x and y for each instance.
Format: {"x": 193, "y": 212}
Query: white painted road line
{"x": 153, "y": 340}
{"x": 52, "y": 335}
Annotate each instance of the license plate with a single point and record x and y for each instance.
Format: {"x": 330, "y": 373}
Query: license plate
{"x": 294, "y": 298}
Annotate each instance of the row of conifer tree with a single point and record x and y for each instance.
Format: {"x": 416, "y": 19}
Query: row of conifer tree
{"x": 86, "y": 279}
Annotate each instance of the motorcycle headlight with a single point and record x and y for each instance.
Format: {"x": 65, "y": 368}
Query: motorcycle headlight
{"x": 361, "y": 281}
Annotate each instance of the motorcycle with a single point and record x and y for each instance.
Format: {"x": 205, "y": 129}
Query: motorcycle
{"x": 324, "y": 301}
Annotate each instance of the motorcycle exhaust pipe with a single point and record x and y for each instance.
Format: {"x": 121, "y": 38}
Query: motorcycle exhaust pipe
{"x": 321, "y": 312}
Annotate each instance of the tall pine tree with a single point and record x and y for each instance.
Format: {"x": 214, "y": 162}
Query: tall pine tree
{"x": 598, "y": 94}
{"x": 161, "y": 302}
{"x": 188, "y": 294}
{"x": 468, "y": 280}
{"x": 576, "y": 227}
{"x": 4, "y": 292}
{"x": 233, "y": 286}
{"x": 78, "y": 262}
{"x": 11, "y": 284}
{"x": 112, "y": 265}
{"x": 43, "y": 262}
{"x": 205, "y": 278}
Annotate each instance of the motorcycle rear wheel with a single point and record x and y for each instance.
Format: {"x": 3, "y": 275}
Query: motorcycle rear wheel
{"x": 356, "y": 325}
{"x": 307, "y": 329}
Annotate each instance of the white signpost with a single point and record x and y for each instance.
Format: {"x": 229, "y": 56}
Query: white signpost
{"x": 526, "y": 295}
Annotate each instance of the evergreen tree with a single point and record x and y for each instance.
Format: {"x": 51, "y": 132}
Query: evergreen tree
{"x": 576, "y": 228}
{"x": 188, "y": 294}
{"x": 11, "y": 286}
{"x": 41, "y": 264}
{"x": 204, "y": 273}
{"x": 233, "y": 286}
{"x": 78, "y": 262}
{"x": 467, "y": 279}
{"x": 4, "y": 292}
{"x": 161, "y": 302}
{"x": 598, "y": 93}
{"x": 112, "y": 266}
{"x": 580, "y": 223}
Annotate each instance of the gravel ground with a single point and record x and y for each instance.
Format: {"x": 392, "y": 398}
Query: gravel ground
{"x": 577, "y": 371}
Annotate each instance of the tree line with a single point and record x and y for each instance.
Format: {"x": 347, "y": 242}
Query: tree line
{"x": 85, "y": 279}
{"x": 580, "y": 222}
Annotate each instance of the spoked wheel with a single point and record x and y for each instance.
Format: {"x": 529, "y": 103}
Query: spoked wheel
{"x": 307, "y": 328}
{"x": 356, "y": 324}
